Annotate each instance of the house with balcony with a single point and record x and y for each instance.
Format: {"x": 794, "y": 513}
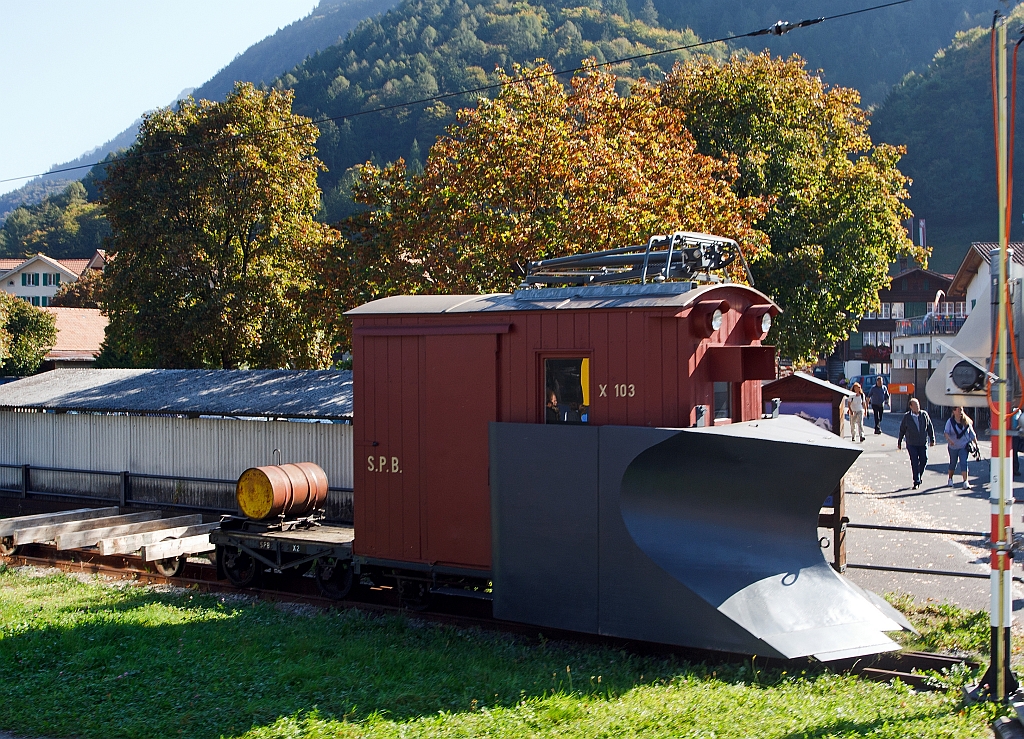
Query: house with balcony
{"x": 918, "y": 345}
{"x": 911, "y": 294}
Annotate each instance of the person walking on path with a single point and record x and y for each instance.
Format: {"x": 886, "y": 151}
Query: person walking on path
{"x": 857, "y": 404}
{"x": 1017, "y": 427}
{"x": 916, "y": 427}
{"x": 959, "y": 433}
{"x": 879, "y": 397}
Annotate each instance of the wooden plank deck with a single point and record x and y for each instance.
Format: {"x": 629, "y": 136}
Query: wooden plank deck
{"x": 318, "y": 535}
{"x": 133, "y": 542}
{"x": 40, "y": 534}
{"x": 9, "y": 525}
{"x": 177, "y": 547}
{"x": 89, "y": 537}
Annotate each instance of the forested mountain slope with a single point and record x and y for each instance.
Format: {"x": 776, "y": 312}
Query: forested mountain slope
{"x": 944, "y": 117}
{"x": 869, "y": 51}
{"x": 423, "y": 47}
{"x": 262, "y": 62}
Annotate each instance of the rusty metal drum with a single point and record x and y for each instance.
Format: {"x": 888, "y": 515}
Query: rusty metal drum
{"x": 317, "y": 483}
{"x": 289, "y": 490}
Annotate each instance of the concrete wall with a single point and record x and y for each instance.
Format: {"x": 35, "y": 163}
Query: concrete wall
{"x": 210, "y": 448}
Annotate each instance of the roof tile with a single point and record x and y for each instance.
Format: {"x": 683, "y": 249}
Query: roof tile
{"x": 78, "y": 329}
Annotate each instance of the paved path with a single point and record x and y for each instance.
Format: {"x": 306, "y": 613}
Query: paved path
{"x": 879, "y": 491}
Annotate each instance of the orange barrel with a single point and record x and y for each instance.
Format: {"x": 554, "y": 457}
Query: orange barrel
{"x": 300, "y": 498}
{"x": 317, "y": 483}
{"x": 274, "y": 490}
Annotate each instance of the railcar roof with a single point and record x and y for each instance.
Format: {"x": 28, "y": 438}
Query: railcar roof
{"x": 657, "y": 295}
{"x": 292, "y": 394}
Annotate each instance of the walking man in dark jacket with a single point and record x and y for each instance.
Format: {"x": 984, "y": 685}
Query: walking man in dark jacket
{"x": 878, "y": 396}
{"x": 917, "y": 429}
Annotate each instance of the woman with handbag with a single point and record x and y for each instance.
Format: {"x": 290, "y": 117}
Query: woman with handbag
{"x": 857, "y": 404}
{"x": 960, "y": 436}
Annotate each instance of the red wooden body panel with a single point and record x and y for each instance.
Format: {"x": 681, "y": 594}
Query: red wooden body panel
{"x": 427, "y": 384}
{"x": 460, "y": 403}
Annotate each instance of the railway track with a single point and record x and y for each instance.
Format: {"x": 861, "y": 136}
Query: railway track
{"x": 458, "y": 612}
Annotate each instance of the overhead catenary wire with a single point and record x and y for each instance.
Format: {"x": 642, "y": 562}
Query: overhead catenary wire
{"x": 777, "y": 29}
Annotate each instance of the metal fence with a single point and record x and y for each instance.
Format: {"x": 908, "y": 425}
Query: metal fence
{"x": 161, "y": 461}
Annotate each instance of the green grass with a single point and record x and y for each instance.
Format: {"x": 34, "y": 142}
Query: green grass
{"x": 89, "y": 659}
{"x": 947, "y": 629}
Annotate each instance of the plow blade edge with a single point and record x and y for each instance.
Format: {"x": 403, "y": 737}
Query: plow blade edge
{"x": 704, "y": 538}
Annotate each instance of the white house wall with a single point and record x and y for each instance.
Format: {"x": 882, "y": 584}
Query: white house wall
{"x": 175, "y": 447}
{"x": 11, "y": 284}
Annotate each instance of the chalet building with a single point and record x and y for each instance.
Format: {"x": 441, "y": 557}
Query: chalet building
{"x": 912, "y": 294}
{"x": 971, "y": 282}
{"x": 37, "y": 279}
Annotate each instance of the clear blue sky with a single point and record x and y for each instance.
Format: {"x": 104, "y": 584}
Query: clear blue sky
{"x": 75, "y": 74}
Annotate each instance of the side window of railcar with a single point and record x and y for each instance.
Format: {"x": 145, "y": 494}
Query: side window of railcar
{"x": 723, "y": 400}
{"x": 567, "y": 390}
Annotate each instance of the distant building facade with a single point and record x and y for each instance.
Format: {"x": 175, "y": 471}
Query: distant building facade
{"x": 37, "y": 279}
{"x": 912, "y": 294}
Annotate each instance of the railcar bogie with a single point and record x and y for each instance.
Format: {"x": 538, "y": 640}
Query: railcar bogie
{"x": 171, "y": 566}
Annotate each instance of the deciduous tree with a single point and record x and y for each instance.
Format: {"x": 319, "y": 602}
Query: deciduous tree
{"x": 85, "y": 292}
{"x": 26, "y": 335}
{"x": 541, "y": 171}
{"x": 837, "y": 200}
{"x": 216, "y": 255}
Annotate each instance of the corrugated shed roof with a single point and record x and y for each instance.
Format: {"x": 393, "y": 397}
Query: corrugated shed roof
{"x": 78, "y": 329}
{"x": 320, "y": 394}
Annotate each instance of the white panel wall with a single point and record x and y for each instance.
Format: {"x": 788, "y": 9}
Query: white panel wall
{"x": 211, "y": 448}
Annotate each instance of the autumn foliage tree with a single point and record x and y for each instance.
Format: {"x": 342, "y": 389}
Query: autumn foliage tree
{"x": 26, "y": 335}
{"x": 836, "y": 199}
{"x": 85, "y": 292}
{"x": 543, "y": 170}
{"x": 215, "y": 256}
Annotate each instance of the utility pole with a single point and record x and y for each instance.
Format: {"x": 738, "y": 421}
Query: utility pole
{"x": 999, "y": 679}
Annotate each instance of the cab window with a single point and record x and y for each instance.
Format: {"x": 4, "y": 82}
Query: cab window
{"x": 567, "y": 390}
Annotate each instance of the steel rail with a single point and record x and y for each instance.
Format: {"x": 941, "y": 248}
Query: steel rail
{"x": 921, "y": 571}
{"x": 916, "y": 530}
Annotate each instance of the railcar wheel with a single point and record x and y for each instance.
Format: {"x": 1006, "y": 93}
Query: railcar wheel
{"x": 170, "y": 567}
{"x": 7, "y": 547}
{"x": 333, "y": 577}
{"x": 414, "y": 595}
{"x": 240, "y": 568}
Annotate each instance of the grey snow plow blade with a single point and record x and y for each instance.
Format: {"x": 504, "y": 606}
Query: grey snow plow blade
{"x": 698, "y": 537}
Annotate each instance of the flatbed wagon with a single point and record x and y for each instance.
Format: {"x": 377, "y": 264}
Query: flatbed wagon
{"x": 245, "y": 548}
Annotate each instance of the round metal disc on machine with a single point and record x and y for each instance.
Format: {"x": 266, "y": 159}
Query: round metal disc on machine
{"x": 263, "y": 491}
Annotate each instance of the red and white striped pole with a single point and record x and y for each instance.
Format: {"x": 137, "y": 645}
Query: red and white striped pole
{"x": 999, "y": 678}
